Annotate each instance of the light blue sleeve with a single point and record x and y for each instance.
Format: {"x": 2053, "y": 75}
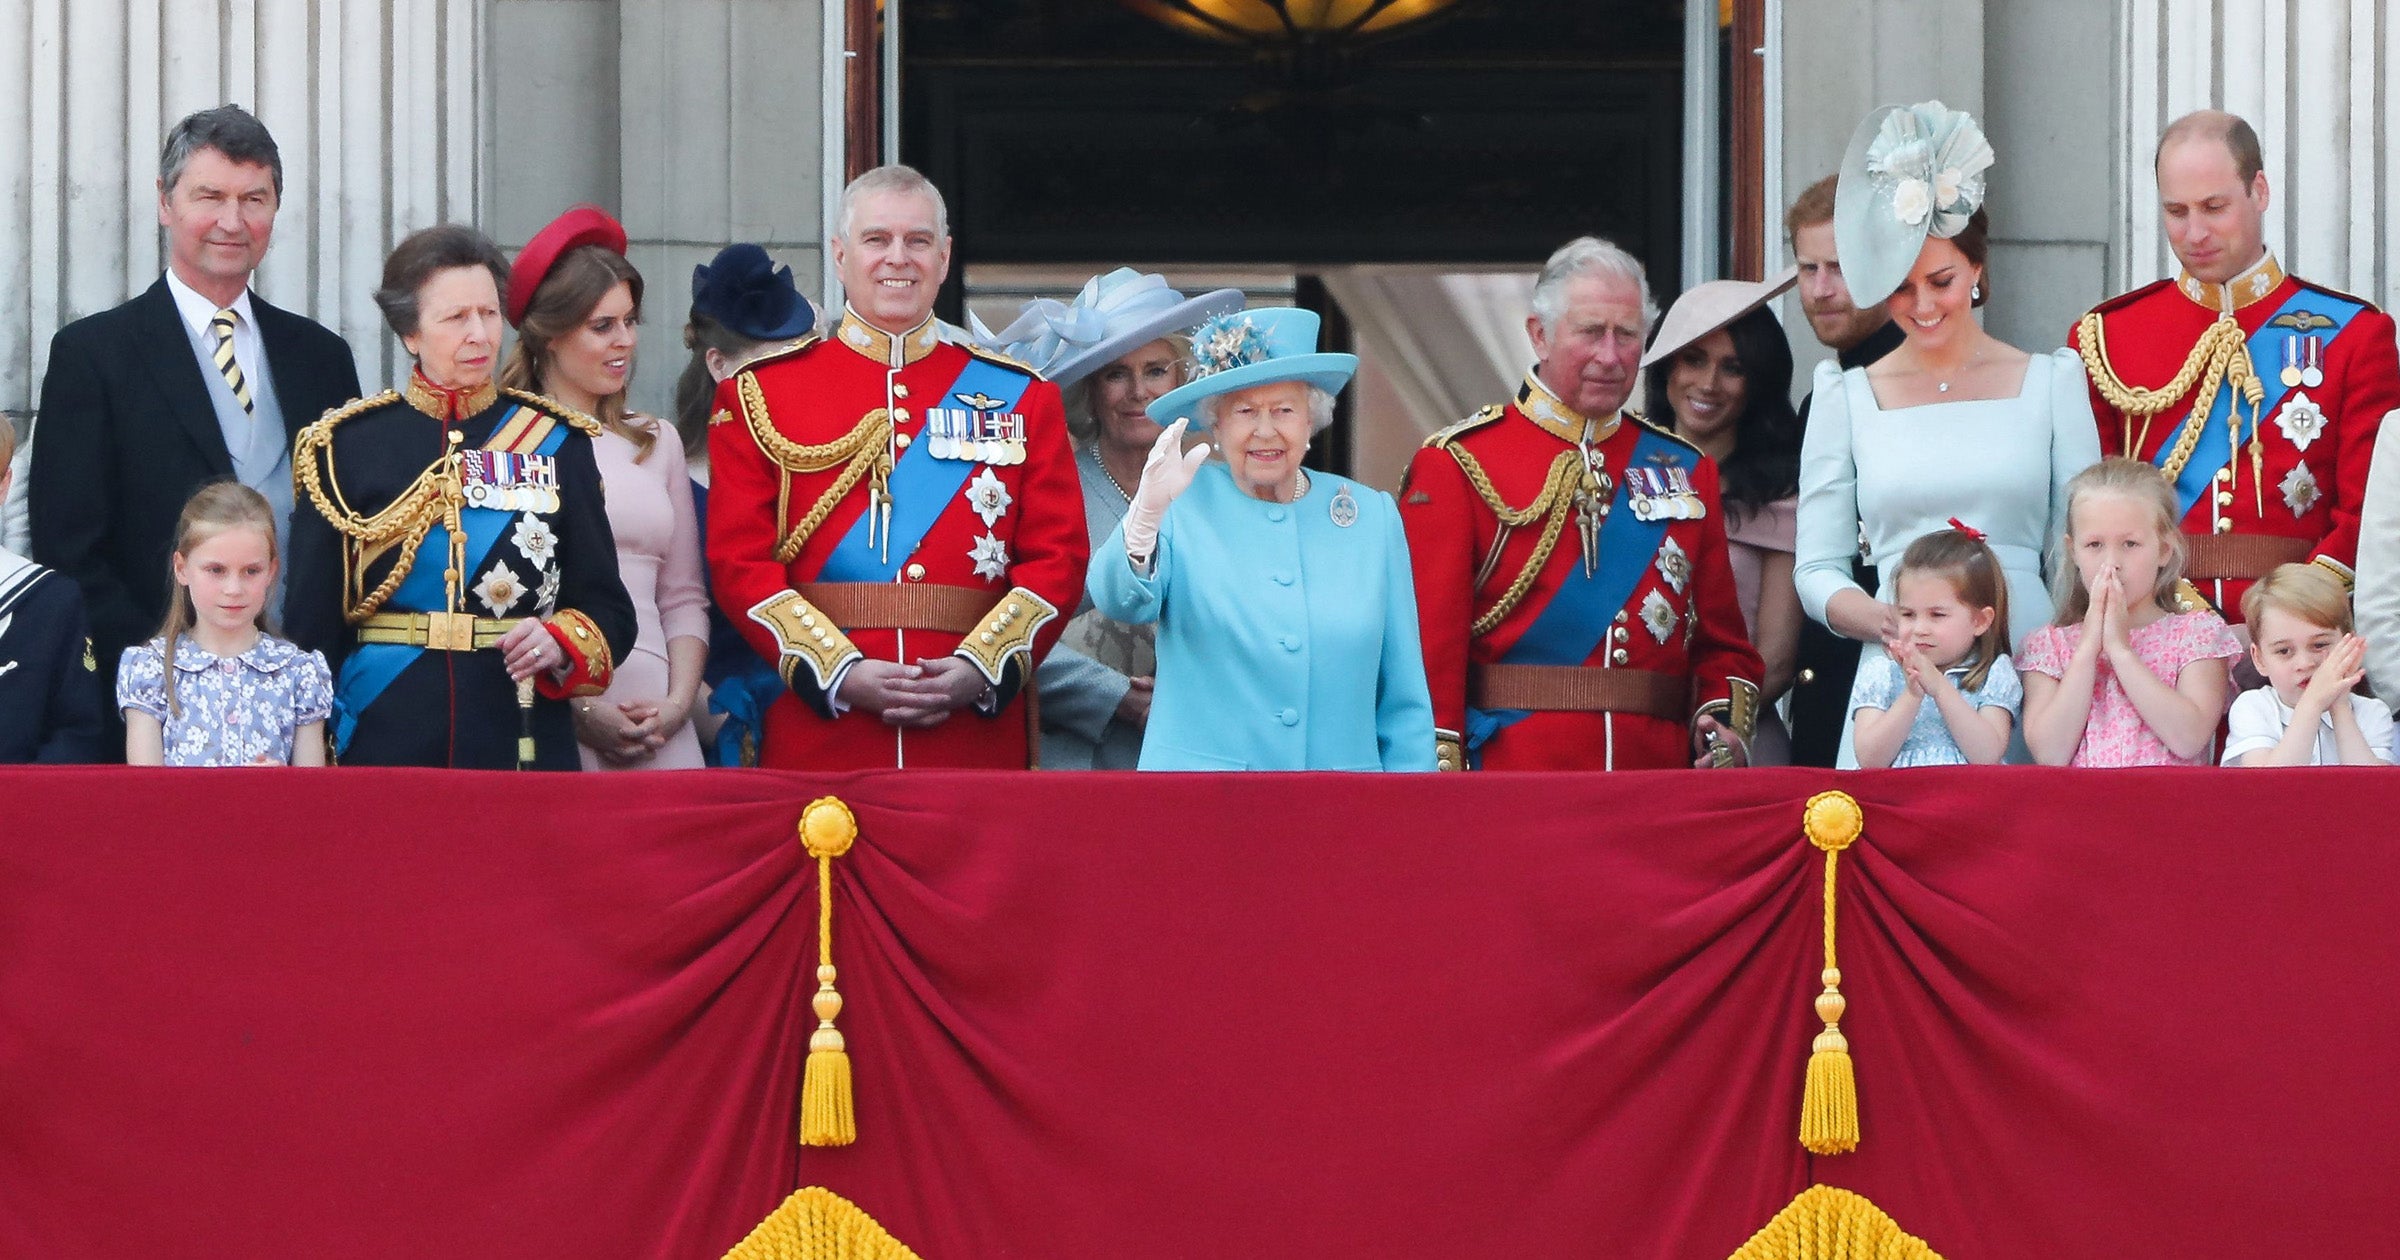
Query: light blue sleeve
{"x": 1078, "y": 693}
{"x": 1403, "y": 703}
{"x": 142, "y": 680}
{"x": 1123, "y": 592}
{"x": 2074, "y": 441}
{"x": 1879, "y": 684}
{"x": 312, "y": 700}
{"x": 2001, "y": 687}
{"x": 1827, "y": 538}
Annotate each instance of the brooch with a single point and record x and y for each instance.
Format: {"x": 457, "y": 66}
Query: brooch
{"x": 1345, "y": 509}
{"x": 2301, "y": 420}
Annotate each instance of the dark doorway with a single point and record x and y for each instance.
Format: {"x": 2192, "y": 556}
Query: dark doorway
{"x": 1071, "y": 130}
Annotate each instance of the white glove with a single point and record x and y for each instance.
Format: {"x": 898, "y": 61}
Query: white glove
{"x": 1166, "y": 474}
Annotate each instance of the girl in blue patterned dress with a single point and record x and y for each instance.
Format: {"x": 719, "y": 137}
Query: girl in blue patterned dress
{"x": 1944, "y": 692}
{"x": 214, "y": 688}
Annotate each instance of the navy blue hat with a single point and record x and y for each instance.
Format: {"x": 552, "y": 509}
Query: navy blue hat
{"x": 743, "y": 289}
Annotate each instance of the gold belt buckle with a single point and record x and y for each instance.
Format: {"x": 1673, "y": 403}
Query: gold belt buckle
{"x": 450, "y": 632}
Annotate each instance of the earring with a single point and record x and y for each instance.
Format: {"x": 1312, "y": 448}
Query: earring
{"x": 1976, "y": 294}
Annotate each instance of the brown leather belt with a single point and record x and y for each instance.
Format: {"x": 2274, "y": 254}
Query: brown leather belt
{"x": 2242, "y": 557}
{"x": 1581, "y": 689}
{"x": 899, "y": 606}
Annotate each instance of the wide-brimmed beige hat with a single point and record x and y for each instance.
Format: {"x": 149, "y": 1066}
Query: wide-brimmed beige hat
{"x": 1705, "y": 308}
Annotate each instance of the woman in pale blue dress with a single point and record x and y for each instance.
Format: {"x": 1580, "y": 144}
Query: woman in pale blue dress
{"x": 1954, "y": 423}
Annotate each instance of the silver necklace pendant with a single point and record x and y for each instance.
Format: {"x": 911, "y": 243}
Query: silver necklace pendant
{"x": 1941, "y": 387}
{"x": 1344, "y": 509}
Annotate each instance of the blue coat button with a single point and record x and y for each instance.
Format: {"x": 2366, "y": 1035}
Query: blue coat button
{"x": 1290, "y": 643}
{"x": 1283, "y": 579}
{"x": 1289, "y": 717}
{"x": 1276, "y": 515}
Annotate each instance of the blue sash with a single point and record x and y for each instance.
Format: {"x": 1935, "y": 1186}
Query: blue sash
{"x": 1577, "y": 619}
{"x": 922, "y": 486}
{"x": 2216, "y": 448}
{"x": 371, "y": 667}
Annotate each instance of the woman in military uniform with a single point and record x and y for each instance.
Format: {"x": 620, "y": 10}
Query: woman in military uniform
{"x": 451, "y": 554}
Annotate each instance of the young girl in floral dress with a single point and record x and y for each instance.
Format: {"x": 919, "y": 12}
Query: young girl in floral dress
{"x": 2125, "y": 676}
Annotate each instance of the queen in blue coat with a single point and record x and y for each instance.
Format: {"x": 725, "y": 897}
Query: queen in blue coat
{"x": 1287, "y": 626}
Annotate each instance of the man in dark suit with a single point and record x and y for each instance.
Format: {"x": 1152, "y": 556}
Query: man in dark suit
{"x": 1828, "y": 663}
{"x": 196, "y": 380}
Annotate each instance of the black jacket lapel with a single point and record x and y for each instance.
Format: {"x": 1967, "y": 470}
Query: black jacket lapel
{"x": 167, "y": 351}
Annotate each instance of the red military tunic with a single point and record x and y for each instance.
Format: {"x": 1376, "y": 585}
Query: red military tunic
{"x": 1681, "y": 623}
{"x": 799, "y": 445}
{"x": 2313, "y": 440}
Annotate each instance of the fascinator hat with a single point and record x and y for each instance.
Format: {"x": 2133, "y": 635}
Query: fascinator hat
{"x": 1705, "y": 308}
{"x": 1115, "y": 313}
{"x": 749, "y": 295}
{"x": 1911, "y": 171}
{"x": 1255, "y": 347}
{"x": 578, "y": 227}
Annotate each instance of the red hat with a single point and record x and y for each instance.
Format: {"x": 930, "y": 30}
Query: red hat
{"x": 583, "y": 225}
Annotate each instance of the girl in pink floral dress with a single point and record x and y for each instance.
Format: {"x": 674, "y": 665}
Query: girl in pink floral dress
{"x": 2124, "y": 676}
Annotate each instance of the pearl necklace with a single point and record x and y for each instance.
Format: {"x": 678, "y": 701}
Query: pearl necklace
{"x": 1113, "y": 483}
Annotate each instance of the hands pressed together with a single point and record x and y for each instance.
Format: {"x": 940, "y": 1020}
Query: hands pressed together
{"x": 915, "y": 696}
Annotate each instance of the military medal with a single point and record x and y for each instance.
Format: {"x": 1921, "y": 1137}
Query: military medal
{"x": 1658, "y": 616}
{"x": 2301, "y": 420}
{"x": 989, "y": 497}
{"x": 2300, "y": 492}
{"x": 1674, "y": 565}
{"x": 2312, "y": 373}
{"x": 1344, "y": 510}
{"x": 2290, "y": 376}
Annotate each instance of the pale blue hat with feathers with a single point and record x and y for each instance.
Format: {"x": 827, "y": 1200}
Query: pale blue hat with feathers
{"x": 1911, "y": 171}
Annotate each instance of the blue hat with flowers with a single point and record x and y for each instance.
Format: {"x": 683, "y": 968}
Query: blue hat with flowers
{"x": 1911, "y": 171}
{"x": 744, "y": 290}
{"x": 1116, "y": 312}
{"x": 1254, "y": 347}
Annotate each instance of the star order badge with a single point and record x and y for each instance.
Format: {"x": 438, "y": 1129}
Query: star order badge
{"x": 1675, "y": 565}
{"x": 1658, "y": 616}
{"x": 991, "y": 558}
{"x": 988, "y": 497}
{"x": 2301, "y": 419}
{"x": 2300, "y": 492}
{"x": 499, "y": 588}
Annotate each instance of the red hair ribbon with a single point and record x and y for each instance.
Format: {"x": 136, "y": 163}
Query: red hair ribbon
{"x": 1964, "y": 528}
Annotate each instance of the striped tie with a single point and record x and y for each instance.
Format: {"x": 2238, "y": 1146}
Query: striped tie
{"x": 222, "y": 326}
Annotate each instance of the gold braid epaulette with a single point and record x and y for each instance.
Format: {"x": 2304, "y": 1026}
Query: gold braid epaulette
{"x": 1550, "y": 507}
{"x": 2220, "y": 357}
{"x": 576, "y": 420}
{"x": 866, "y": 449}
{"x": 435, "y": 496}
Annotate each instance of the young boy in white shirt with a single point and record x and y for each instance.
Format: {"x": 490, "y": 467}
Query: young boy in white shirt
{"x": 2307, "y": 714}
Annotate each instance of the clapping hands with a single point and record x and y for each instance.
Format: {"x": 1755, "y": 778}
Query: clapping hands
{"x": 2342, "y": 669}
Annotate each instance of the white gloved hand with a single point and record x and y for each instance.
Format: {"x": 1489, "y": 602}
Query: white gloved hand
{"x": 1166, "y": 474}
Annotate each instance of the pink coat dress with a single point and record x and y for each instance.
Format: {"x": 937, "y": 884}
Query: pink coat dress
{"x": 658, "y": 555}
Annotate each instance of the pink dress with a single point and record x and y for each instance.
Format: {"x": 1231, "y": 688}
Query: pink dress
{"x": 1749, "y": 538}
{"x": 658, "y": 555}
{"x": 2115, "y": 734}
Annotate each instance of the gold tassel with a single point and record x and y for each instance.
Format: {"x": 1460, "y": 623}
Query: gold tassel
{"x": 827, "y": 829}
{"x": 1829, "y": 1102}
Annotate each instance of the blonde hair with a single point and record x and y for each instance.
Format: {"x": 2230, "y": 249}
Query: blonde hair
{"x": 1966, "y": 562}
{"x": 1083, "y": 428}
{"x": 2305, "y": 591}
{"x": 216, "y": 508}
{"x": 2138, "y": 482}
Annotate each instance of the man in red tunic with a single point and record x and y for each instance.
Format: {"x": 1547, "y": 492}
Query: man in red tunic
{"x": 2290, "y": 379}
{"x": 1574, "y": 598}
{"x": 894, "y": 520}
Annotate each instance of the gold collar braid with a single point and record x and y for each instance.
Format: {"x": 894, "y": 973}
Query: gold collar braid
{"x": 866, "y": 450}
{"x": 2221, "y": 357}
{"x": 435, "y": 496}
